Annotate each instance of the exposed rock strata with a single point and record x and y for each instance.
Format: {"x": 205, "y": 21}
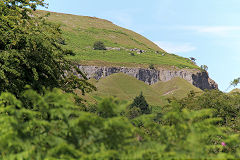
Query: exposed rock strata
{"x": 202, "y": 81}
{"x": 151, "y": 76}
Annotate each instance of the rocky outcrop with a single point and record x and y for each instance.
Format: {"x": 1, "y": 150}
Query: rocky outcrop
{"x": 151, "y": 76}
{"x": 138, "y": 51}
{"x": 202, "y": 81}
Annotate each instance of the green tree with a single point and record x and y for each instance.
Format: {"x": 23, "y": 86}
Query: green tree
{"x": 30, "y": 52}
{"x": 204, "y": 67}
{"x": 99, "y": 45}
{"x": 141, "y": 103}
{"x": 235, "y": 82}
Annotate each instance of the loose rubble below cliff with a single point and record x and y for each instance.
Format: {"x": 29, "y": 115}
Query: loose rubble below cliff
{"x": 151, "y": 76}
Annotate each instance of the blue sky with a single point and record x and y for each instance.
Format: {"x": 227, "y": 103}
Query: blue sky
{"x": 208, "y": 30}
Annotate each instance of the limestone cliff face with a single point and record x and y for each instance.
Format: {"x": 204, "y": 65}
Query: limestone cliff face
{"x": 202, "y": 81}
{"x": 151, "y": 76}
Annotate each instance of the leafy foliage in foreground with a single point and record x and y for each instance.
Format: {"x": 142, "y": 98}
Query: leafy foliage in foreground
{"x": 30, "y": 51}
{"x": 51, "y": 126}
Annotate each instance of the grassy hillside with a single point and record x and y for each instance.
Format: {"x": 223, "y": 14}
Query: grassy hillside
{"x": 81, "y": 32}
{"x": 176, "y": 87}
{"x": 236, "y": 90}
{"x": 127, "y": 88}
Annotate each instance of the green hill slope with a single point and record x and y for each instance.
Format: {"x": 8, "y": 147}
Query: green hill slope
{"x": 81, "y": 32}
{"x": 176, "y": 87}
{"x": 127, "y": 87}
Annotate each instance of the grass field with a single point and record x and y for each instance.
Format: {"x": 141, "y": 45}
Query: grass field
{"x": 127, "y": 88}
{"x": 80, "y": 33}
{"x": 88, "y": 29}
{"x": 177, "y": 87}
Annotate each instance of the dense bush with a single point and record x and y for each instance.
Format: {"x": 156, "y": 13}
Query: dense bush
{"x": 69, "y": 52}
{"x": 225, "y": 106}
{"x": 99, "y": 45}
{"x": 51, "y": 126}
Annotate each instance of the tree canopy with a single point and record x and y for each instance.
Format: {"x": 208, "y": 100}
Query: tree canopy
{"x": 141, "y": 103}
{"x": 30, "y": 52}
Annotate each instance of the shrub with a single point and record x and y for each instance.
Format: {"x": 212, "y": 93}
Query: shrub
{"x": 133, "y": 112}
{"x": 99, "y": 45}
{"x": 151, "y": 66}
{"x": 204, "y": 67}
{"x": 69, "y": 52}
{"x": 132, "y": 54}
{"x": 62, "y": 41}
{"x": 51, "y": 126}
